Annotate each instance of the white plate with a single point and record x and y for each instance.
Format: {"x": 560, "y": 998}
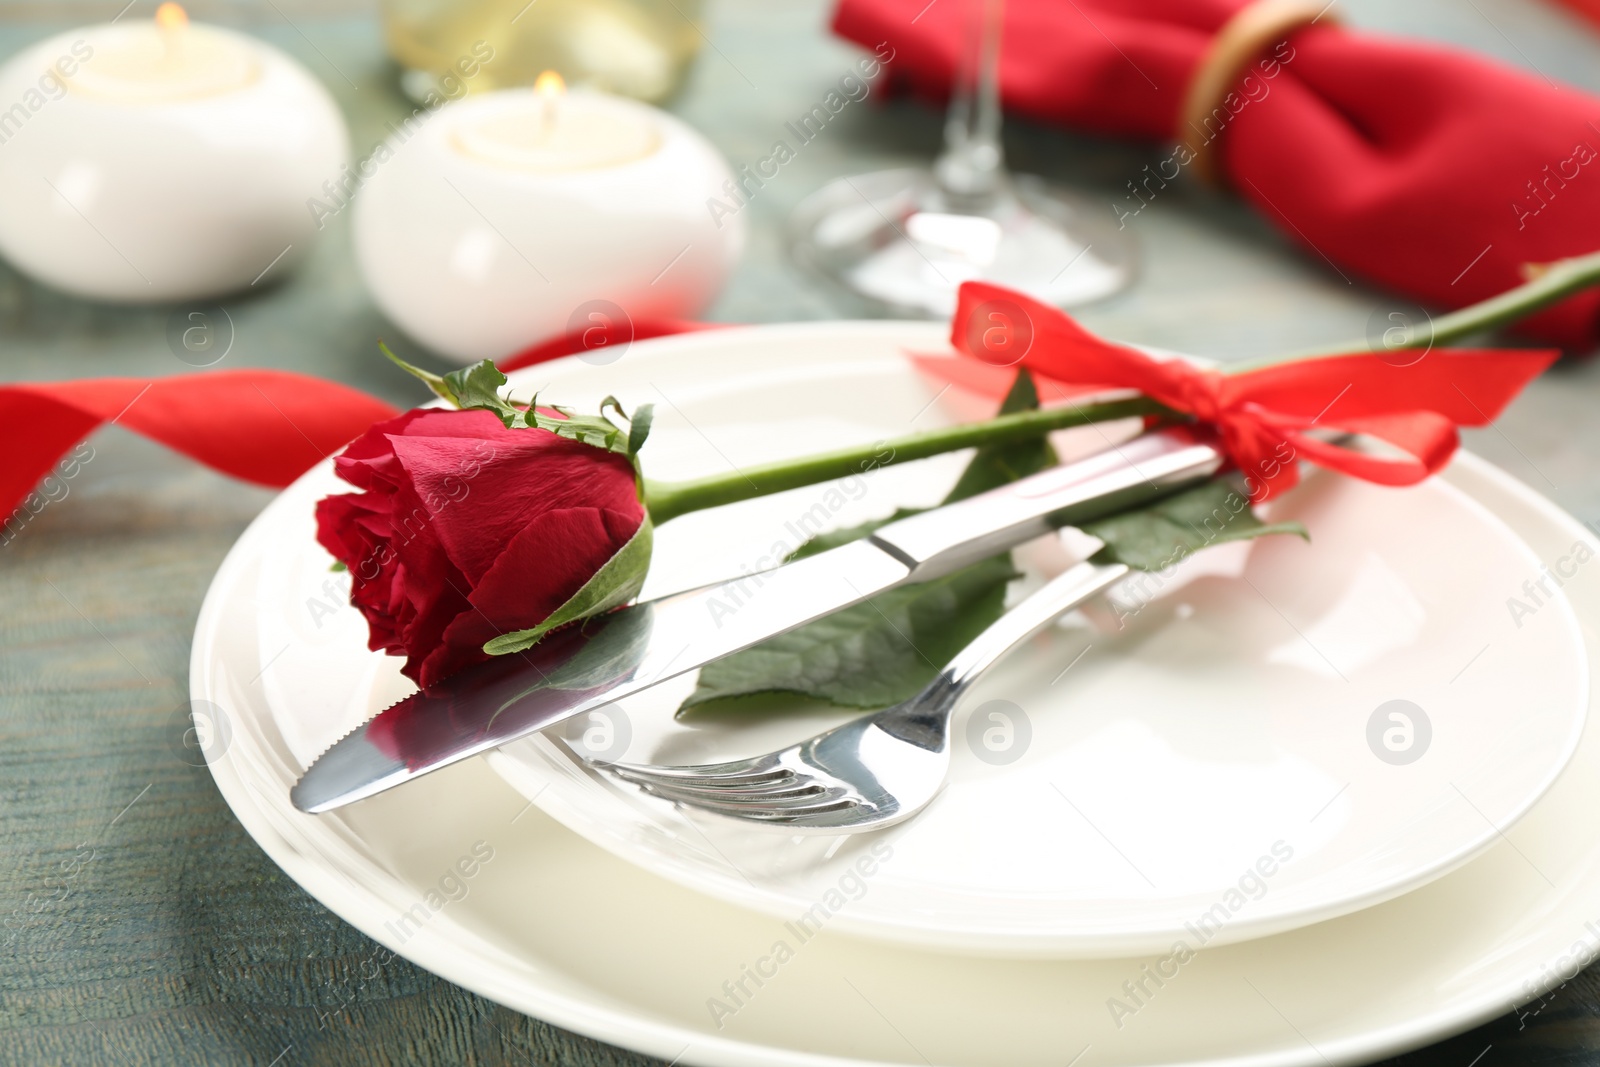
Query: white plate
{"x": 1217, "y": 728}
{"x": 556, "y": 927}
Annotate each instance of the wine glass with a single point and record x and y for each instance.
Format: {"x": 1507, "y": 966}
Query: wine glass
{"x": 906, "y": 239}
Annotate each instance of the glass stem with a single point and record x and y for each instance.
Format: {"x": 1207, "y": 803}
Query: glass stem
{"x": 971, "y": 170}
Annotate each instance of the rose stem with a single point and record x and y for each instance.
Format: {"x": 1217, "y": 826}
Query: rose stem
{"x": 668, "y": 500}
{"x": 1550, "y": 283}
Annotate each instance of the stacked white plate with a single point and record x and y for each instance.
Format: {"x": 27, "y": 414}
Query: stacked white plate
{"x": 1293, "y": 803}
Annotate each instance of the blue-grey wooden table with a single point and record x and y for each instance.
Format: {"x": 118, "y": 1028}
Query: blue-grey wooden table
{"x": 142, "y": 925}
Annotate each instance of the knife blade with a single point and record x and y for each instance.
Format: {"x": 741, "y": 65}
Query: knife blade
{"x": 580, "y": 668}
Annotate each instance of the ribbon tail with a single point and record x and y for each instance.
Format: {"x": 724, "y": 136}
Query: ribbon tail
{"x": 264, "y": 426}
{"x": 35, "y": 433}
{"x": 1425, "y": 442}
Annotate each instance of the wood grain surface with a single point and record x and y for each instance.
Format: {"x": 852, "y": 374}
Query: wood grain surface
{"x": 143, "y": 926}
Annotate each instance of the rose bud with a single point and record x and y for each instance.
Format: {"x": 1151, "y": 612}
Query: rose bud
{"x": 466, "y": 531}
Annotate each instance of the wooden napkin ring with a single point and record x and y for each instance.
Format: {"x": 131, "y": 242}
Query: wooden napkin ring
{"x": 1251, "y": 31}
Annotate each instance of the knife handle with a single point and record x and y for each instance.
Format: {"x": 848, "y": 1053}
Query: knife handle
{"x": 1146, "y": 468}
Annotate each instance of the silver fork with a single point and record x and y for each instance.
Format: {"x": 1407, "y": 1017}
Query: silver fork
{"x": 877, "y": 770}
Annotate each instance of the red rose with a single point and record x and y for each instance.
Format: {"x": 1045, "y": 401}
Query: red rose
{"x": 465, "y": 530}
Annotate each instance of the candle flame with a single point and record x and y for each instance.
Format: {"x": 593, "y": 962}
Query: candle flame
{"x": 550, "y": 85}
{"x": 170, "y": 16}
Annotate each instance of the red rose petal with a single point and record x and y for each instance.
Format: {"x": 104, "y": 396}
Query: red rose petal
{"x": 539, "y": 570}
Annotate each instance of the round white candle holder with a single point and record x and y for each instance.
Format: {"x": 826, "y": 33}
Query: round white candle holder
{"x": 142, "y": 183}
{"x": 509, "y": 218}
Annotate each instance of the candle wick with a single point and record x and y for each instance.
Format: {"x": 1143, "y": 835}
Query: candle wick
{"x": 171, "y": 21}
{"x": 172, "y": 46}
{"x": 548, "y": 89}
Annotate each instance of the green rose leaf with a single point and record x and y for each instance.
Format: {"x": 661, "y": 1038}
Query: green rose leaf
{"x": 596, "y": 430}
{"x": 616, "y": 644}
{"x": 639, "y": 427}
{"x": 870, "y": 655}
{"x": 612, "y": 586}
{"x": 834, "y": 538}
{"x": 435, "y": 382}
{"x": 995, "y": 465}
{"x": 1162, "y": 534}
{"x": 478, "y": 387}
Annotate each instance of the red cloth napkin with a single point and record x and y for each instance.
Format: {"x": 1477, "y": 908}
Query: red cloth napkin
{"x": 1429, "y": 170}
{"x": 1589, "y": 9}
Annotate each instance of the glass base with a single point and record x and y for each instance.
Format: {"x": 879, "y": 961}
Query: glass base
{"x": 894, "y": 240}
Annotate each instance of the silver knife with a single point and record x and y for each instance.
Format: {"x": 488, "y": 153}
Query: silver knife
{"x": 581, "y": 668}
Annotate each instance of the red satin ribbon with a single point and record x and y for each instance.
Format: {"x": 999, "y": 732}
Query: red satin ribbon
{"x": 262, "y": 426}
{"x": 1262, "y": 415}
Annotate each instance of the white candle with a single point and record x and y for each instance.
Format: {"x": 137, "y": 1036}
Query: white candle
{"x": 496, "y": 224}
{"x": 549, "y": 132}
{"x": 165, "y": 60}
{"x": 156, "y": 160}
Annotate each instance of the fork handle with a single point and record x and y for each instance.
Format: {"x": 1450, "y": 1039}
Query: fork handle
{"x": 1060, "y": 595}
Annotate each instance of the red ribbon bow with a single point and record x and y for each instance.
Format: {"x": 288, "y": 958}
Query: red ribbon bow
{"x": 1262, "y": 415}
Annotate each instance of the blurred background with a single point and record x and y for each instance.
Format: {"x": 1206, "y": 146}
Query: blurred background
{"x": 142, "y": 963}
{"x": 1215, "y": 278}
